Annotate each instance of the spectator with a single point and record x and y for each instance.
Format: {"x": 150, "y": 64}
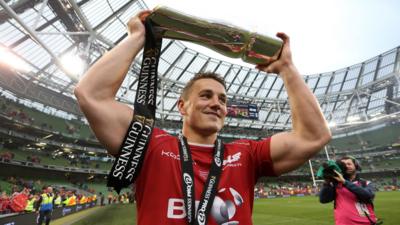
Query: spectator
{"x": 4, "y": 203}
{"x": 19, "y": 200}
{"x": 44, "y": 205}
{"x": 101, "y": 195}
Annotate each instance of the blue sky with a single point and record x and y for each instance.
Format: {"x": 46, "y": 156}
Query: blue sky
{"x": 326, "y": 35}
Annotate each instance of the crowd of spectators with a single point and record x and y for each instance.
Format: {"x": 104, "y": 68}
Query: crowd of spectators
{"x": 24, "y": 194}
{"x": 33, "y": 159}
{"x": 79, "y": 161}
{"x": 6, "y": 156}
{"x": 285, "y": 189}
{"x": 20, "y": 115}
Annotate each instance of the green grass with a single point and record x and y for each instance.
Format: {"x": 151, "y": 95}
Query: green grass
{"x": 110, "y": 215}
{"x": 279, "y": 211}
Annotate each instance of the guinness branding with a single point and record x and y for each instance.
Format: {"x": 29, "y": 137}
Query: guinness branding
{"x": 127, "y": 166}
{"x": 149, "y": 73}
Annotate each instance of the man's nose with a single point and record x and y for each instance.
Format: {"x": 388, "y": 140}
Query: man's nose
{"x": 215, "y": 102}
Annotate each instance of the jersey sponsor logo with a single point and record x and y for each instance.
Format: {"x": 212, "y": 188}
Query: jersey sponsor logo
{"x": 227, "y": 202}
{"x": 170, "y": 154}
{"x": 232, "y": 158}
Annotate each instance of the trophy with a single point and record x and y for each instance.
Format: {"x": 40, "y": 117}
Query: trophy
{"x": 228, "y": 40}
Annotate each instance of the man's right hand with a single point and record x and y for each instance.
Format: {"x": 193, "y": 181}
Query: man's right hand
{"x": 135, "y": 23}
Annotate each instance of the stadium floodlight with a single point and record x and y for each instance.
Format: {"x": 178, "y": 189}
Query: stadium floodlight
{"x": 41, "y": 144}
{"x": 13, "y": 61}
{"x": 73, "y": 63}
{"x": 353, "y": 118}
{"x": 376, "y": 114}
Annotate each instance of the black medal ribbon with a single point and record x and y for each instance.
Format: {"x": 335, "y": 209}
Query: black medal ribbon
{"x": 210, "y": 187}
{"x": 130, "y": 159}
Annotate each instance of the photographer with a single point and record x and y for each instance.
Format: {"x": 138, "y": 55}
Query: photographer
{"x": 352, "y": 195}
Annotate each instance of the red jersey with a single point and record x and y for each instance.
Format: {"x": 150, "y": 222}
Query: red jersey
{"x": 159, "y": 192}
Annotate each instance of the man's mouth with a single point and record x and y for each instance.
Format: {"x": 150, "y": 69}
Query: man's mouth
{"x": 213, "y": 113}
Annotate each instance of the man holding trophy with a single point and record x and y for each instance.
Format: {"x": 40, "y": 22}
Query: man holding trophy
{"x": 193, "y": 178}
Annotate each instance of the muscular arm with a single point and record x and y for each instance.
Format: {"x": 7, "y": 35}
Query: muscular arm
{"x": 364, "y": 194}
{"x": 96, "y": 91}
{"x": 310, "y": 132}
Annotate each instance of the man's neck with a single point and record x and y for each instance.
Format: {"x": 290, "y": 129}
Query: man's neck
{"x": 195, "y": 137}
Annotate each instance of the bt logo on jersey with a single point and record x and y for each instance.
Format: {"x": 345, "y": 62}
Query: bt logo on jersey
{"x": 224, "y": 208}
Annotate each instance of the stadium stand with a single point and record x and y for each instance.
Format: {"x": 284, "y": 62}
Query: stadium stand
{"x": 44, "y": 135}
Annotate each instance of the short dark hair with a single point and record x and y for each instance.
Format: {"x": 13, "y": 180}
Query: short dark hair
{"x": 199, "y": 76}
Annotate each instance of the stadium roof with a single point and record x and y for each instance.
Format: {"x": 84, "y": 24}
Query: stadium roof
{"x": 45, "y": 47}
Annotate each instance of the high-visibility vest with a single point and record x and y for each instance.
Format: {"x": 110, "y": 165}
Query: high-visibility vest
{"x": 47, "y": 203}
{"x": 72, "y": 200}
{"x": 65, "y": 202}
{"x": 83, "y": 200}
{"x": 126, "y": 200}
{"x": 57, "y": 201}
{"x": 29, "y": 206}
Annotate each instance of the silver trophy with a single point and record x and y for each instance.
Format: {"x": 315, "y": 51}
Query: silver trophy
{"x": 228, "y": 40}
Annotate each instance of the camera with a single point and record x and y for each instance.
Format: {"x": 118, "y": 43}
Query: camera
{"x": 327, "y": 170}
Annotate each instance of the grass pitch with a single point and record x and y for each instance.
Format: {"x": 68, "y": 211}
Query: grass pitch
{"x": 279, "y": 211}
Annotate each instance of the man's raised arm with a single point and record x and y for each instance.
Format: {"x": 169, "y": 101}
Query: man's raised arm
{"x": 310, "y": 131}
{"x": 108, "y": 118}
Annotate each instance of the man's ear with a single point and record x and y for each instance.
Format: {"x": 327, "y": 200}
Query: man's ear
{"x": 181, "y": 107}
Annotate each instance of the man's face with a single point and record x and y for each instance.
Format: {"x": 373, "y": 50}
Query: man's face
{"x": 204, "y": 110}
{"x": 350, "y": 167}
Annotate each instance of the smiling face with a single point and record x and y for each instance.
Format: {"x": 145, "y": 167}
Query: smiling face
{"x": 203, "y": 108}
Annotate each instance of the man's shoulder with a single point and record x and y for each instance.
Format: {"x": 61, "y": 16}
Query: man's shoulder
{"x": 246, "y": 142}
{"x": 238, "y": 143}
{"x": 159, "y": 134}
{"x": 364, "y": 182}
